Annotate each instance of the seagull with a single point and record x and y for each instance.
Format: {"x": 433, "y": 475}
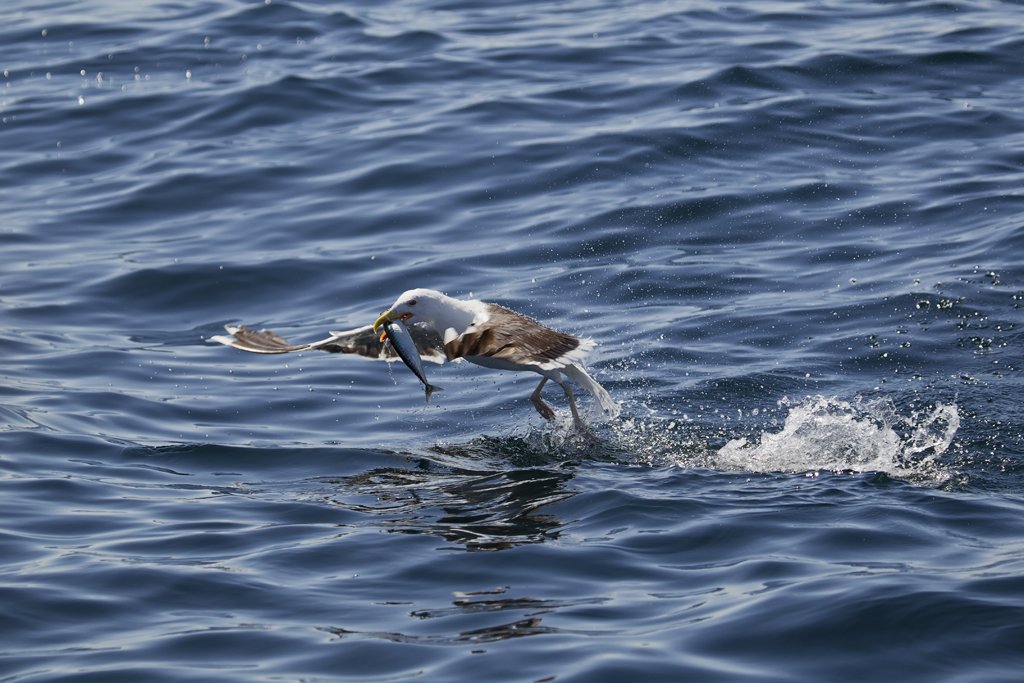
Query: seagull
{"x": 448, "y": 329}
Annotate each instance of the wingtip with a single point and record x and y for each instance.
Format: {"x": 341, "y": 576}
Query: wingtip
{"x": 226, "y": 340}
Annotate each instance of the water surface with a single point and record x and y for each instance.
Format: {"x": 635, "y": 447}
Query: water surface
{"x": 794, "y": 229}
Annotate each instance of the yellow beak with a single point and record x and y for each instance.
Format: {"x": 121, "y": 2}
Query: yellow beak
{"x": 385, "y": 317}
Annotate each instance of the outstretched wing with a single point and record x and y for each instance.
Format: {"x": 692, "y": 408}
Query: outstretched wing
{"x": 362, "y": 341}
{"x": 253, "y": 341}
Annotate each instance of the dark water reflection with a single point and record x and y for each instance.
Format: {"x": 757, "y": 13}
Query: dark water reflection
{"x": 468, "y": 605}
{"x": 480, "y": 510}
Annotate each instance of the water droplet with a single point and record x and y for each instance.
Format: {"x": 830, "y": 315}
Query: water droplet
{"x": 81, "y": 100}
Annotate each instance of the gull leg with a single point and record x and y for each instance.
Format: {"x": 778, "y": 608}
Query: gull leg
{"x": 543, "y": 408}
{"x": 580, "y": 425}
{"x": 572, "y": 403}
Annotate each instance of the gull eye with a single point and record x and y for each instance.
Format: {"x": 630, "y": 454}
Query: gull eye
{"x": 410, "y": 302}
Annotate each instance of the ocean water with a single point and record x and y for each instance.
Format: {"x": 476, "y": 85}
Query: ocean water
{"x": 794, "y": 229}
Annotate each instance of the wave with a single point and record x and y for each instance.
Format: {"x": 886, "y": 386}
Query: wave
{"x": 827, "y": 433}
{"x": 818, "y": 434}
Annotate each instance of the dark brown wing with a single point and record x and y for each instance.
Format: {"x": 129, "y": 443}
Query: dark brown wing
{"x": 362, "y": 341}
{"x": 513, "y": 337}
{"x": 256, "y": 341}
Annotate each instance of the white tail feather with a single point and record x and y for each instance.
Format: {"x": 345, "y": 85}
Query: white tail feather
{"x": 578, "y": 375}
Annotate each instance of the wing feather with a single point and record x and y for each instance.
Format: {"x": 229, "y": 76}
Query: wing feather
{"x": 509, "y": 336}
{"x": 361, "y": 341}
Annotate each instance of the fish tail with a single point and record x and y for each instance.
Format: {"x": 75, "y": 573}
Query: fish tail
{"x": 429, "y": 389}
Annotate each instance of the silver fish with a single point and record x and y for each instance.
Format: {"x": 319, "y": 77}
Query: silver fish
{"x": 398, "y": 336}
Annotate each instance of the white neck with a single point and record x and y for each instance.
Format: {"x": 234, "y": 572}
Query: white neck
{"x": 453, "y": 313}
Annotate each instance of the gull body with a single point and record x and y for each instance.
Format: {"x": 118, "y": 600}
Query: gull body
{"x": 444, "y": 328}
{"x": 495, "y": 337}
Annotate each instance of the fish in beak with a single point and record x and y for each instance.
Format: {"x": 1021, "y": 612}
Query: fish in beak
{"x": 398, "y": 335}
{"x": 389, "y": 316}
{"x": 384, "y": 318}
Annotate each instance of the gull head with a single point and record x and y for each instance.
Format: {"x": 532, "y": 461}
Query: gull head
{"x": 416, "y": 305}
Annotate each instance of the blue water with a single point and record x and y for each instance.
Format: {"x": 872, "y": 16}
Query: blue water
{"x": 796, "y": 231}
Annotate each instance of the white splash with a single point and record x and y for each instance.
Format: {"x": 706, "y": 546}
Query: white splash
{"x": 822, "y": 433}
